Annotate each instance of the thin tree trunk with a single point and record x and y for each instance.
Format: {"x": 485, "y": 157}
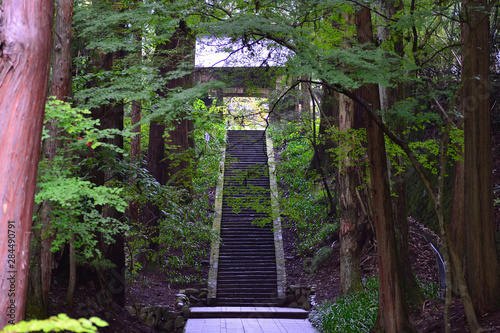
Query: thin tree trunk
{"x": 70, "y": 295}
{"x": 61, "y": 89}
{"x": 135, "y": 156}
{"x": 26, "y": 43}
{"x": 35, "y": 307}
{"x": 457, "y": 219}
{"x": 135, "y": 142}
{"x": 329, "y": 114}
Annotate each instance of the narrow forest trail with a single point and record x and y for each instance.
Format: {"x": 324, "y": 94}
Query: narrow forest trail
{"x": 247, "y": 262}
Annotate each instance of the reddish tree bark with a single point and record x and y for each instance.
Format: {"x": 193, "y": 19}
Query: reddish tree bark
{"x": 481, "y": 260}
{"x": 393, "y": 310}
{"x": 350, "y": 277}
{"x": 156, "y": 166}
{"x": 180, "y": 144}
{"x": 26, "y": 44}
{"x": 181, "y": 49}
{"x": 61, "y": 89}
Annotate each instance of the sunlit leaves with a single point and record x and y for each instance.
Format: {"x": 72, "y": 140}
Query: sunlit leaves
{"x": 58, "y": 323}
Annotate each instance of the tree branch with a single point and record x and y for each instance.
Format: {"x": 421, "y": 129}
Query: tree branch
{"x": 373, "y": 10}
{"x": 394, "y": 138}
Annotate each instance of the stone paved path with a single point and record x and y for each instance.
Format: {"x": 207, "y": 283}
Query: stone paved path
{"x": 247, "y": 325}
{"x": 248, "y": 319}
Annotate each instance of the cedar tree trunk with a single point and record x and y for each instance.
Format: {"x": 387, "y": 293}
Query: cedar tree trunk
{"x": 350, "y": 277}
{"x": 25, "y": 47}
{"x": 482, "y": 267}
{"x": 393, "y": 310}
{"x": 61, "y": 89}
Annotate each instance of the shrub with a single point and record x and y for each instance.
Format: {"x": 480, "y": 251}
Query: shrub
{"x": 352, "y": 313}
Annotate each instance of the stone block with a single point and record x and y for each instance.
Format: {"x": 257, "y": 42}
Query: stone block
{"x": 158, "y": 313}
{"x": 179, "y": 322}
{"x": 191, "y": 291}
{"x": 306, "y": 306}
{"x": 131, "y": 310}
{"x": 186, "y": 311}
{"x": 169, "y": 325}
{"x": 302, "y": 299}
{"x": 193, "y": 299}
{"x": 151, "y": 319}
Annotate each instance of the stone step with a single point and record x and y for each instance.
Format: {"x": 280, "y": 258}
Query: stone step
{"x": 247, "y": 302}
{"x": 244, "y": 264}
{"x": 240, "y": 240}
{"x": 237, "y": 285}
{"x": 230, "y": 267}
{"x": 238, "y": 232}
{"x": 258, "y": 239}
{"x": 252, "y": 277}
{"x": 255, "y": 252}
{"x": 230, "y": 245}
{"x": 247, "y": 312}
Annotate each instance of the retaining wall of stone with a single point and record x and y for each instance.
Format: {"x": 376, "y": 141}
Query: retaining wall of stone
{"x": 163, "y": 319}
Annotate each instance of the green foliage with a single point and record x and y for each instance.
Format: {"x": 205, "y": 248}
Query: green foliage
{"x": 302, "y": 201}
{"x": 357, "y": 312}
{"x": 353, "y": 313}
{"x": 77, "y": 202}
{"x": 77, "y": 209}
{"x": 58, "y": 323}
{"x": 185, "y": 230}
{"x": 247, "y": 112}
{"x": 76, "y": 127}
{"x": 322, "y": 255}
{"x": 430, "y": 289}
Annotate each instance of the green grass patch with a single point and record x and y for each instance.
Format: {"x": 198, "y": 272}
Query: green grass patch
{"x": 353, "y": 313}
{"x": 357, "y": 312}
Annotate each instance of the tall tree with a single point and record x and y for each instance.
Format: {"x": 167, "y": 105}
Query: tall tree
{"x": 181, "y": 58}
{"x": 393, "y": 37}
{"x": 349, "y": 210}
{"x": 155, "y": 164}
{"x": 111, "y": 117}
{"x": 393, "y": 310}
{"x": 481, "y": 260}
{"x": 26, "y": 44}
{"x": 42, "y": 256}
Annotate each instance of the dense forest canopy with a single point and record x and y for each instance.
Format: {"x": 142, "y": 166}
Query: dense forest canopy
{"x": 397, "y": 100}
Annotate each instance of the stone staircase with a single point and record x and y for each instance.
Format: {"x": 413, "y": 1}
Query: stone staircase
{"x": 247, "y": 273}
